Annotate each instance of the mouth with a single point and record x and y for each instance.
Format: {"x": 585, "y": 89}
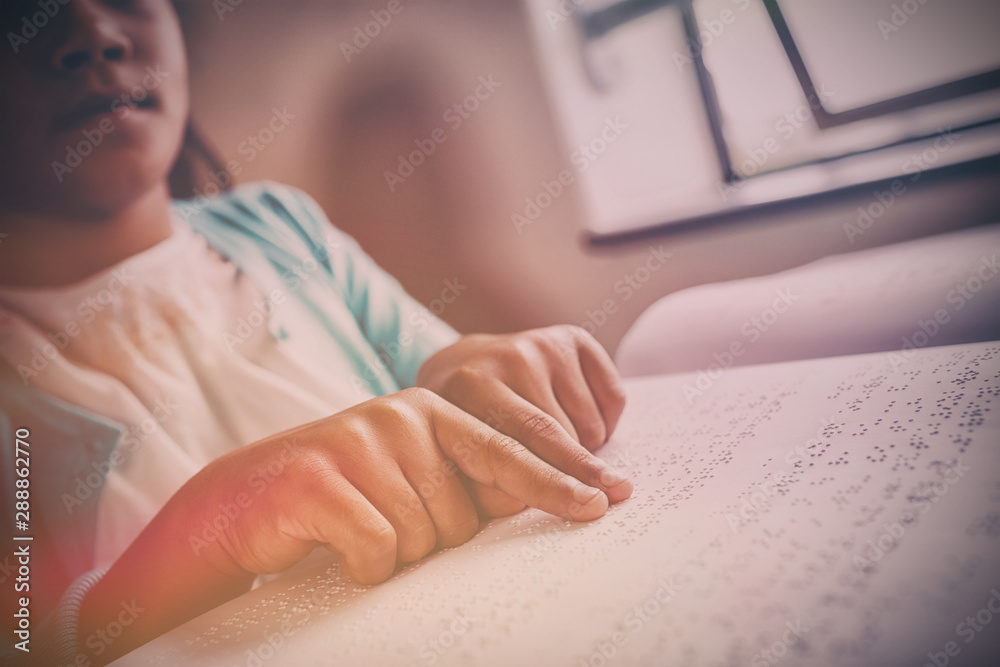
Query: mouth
{"x": 96, "y": 105}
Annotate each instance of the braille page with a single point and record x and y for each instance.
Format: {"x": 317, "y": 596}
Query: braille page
{"x": 841, "y": 511}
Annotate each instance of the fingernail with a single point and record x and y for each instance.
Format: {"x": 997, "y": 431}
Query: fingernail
{"x": 611, "y": 477}
{"x": 583, "y": 494}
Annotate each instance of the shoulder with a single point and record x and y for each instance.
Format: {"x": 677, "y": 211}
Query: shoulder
{"x": 266, "y": 213}
{"x": 254, "y": 203}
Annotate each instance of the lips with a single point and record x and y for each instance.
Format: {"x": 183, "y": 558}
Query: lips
{"x": 93, "y": 104}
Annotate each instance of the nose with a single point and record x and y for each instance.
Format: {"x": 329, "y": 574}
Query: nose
{"x": 95, "y": 37}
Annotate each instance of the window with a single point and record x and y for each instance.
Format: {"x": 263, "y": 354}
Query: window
{"x": 763, "y": 101}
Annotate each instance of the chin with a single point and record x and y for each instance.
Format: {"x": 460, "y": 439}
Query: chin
{"x": 108, "y": 182}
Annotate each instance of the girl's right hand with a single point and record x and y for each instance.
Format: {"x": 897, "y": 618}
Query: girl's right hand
{"x": 377, "y": 484}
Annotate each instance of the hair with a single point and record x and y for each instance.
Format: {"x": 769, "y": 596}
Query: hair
{"x": 197, "y": 162}
{"x": 196, "y": 165}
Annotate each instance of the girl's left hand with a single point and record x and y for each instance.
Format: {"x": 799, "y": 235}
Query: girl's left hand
{"x": 555, "y": 390}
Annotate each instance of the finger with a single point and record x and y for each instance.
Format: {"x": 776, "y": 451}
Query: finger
{"x": 547, "y": 401}
{"x": 544, "y": 436}
{"x": 445, "y": 498}
{"x": 537, "y": 391}
{"x": 498, "y": 461}
{"x": 577, "y": 400}
{"x": 531, "y": 379}
{"x": 353, "y": 528}
{"x": 490, "y": 502}
{"x": 604, "y": 381}
{"x": 393, "y": 496}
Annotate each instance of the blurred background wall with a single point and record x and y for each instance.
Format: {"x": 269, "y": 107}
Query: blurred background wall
{"x": 347, "y": 113}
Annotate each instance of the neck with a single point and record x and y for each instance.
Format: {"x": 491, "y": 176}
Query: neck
{"x": 53, "y": 252}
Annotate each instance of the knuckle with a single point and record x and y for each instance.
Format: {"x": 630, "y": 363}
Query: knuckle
{"x": 540, "y": 426}
{"x": 581, "y": 459}
{"x": 317, "y": 475}
{"x": 421, "y": 403}
{"x": 524, "y": 340}
{"x": 569, "y": 331}
{"x": 519, "y": 350}
{"x": 396, "y": 410}
{"x": 312, "y": 462}
{"x": 356, "y": 428}
{"x": 576, "y": 332}
{"x": 568, "y": 335}
{"x": 404, "y": 398}
{"x": 502, "y": 454}
{"x": 463, "y": 380}
{"x": 561, "y": 342}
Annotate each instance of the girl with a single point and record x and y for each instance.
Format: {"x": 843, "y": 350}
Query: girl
{"x": 200, "y": 395}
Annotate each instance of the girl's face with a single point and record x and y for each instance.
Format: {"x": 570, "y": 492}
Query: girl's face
{"x": 93, "y": 105}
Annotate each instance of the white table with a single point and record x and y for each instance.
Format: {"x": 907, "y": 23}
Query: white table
{"x": 841, "y": 511}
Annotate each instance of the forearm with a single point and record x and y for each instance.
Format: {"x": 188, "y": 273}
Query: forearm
{"x": 160, "y": 582}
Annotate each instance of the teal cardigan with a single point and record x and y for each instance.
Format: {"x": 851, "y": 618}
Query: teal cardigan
{"x": 282, "y": 240}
